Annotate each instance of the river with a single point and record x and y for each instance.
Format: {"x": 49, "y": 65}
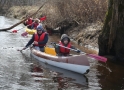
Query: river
{"x": 19, "y": 71}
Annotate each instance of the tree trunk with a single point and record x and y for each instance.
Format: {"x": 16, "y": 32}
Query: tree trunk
{"x": 111, "y": 40}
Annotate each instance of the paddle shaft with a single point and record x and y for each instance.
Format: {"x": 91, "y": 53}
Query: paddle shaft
{"x": 69, "y": 48}
{"x": 100, "y": 58}
{"x": 24, "y": 27}
{"x": 20, "y": 28}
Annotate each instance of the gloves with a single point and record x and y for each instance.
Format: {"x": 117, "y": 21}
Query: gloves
{"x": 78, "y": 51}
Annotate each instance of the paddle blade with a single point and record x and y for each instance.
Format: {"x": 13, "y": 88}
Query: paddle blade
{"x": 100, "y": 58}
{"x": 14, "y": 31}
{"x": 43, "y": 18}
{"x": 24, "y": 34}
{"x": 19, "y": 50}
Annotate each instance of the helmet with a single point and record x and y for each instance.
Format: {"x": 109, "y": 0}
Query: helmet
{"x": 39, "y": 27}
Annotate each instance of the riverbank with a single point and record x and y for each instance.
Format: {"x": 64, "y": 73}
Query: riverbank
{"x": 20, "y": 12}
{"x": 85, "y": 34}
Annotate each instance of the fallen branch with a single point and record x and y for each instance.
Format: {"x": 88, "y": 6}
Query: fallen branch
{"x": 23, "y": 20}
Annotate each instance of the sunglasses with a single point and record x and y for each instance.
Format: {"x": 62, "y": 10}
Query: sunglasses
{"x": 39, "y": 30}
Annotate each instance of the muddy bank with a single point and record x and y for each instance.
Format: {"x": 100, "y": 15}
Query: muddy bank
{"x": 86, "y": 35}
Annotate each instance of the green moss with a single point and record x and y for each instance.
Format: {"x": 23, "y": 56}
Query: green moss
{"x": 108, "y": 17}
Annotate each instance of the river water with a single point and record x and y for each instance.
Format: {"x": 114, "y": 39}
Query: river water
{"x": 19, "y": 71}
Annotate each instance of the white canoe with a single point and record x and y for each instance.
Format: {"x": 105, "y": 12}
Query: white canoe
{"x": 76, "y": 63}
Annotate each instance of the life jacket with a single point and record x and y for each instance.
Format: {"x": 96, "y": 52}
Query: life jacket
{"x": 29, "y": 22}
{"x": 35, "y": 25}
{"x": 65, "y": 50}
{"x": 39, "y": 39}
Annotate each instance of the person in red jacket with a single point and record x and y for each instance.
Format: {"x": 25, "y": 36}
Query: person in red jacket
{"x": 35, "y": 24}
{"x": 28, "y": 23}
{"x": 38, "y": 39}
{"x": 64, "y": 44}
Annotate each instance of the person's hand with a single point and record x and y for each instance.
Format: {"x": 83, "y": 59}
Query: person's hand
{"x": 78, "y": 51}
{"x": 35, "y": 42}
{"x": 24, "y": 48}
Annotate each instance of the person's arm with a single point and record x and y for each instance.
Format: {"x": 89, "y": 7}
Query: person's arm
{"x": 32, "y": 25}
{"x": 30, "y": 41}
{"x": 45, "y": 40}
{"x": 57, "y": 50}
{"x": 78, "y": 51}
{"x": 72, "y": 47}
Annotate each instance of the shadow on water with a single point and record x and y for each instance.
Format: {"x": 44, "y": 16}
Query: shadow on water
{"x": 111, "y": 76}
{"x": 62, "y": 77}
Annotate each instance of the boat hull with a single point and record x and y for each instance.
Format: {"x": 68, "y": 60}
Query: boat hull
{"x": 68, "y": 63}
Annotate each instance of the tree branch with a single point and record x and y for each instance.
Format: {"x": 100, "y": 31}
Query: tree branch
{"x": 23, "y": 19}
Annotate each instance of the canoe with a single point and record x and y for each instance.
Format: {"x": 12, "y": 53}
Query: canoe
{"x": 75, "y": 63}
{"x": 30, "y": 31}
{"x": 61, "y": 73}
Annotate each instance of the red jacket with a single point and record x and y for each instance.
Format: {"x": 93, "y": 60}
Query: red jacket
{"x": 39, "y": 39}
{"x": 64, "y": 50}
{"x": 29, "y": 22}
{"x": 35, "y": 25}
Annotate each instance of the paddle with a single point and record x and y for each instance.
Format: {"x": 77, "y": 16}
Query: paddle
{"x": 100, "y": 58}
{"x": 15, "y": 31}
{"x": 21, "y": 49}
{"x": 42, "y": 18}
{"x": 24, "y": 34}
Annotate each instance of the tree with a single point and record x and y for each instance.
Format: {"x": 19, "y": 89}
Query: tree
{"x": 111, "y": 40}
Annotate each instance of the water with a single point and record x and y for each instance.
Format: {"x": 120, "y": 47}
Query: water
{"x": 19, "y": 71}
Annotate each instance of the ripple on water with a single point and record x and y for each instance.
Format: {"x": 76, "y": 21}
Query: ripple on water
{"x": 18, "y": 72}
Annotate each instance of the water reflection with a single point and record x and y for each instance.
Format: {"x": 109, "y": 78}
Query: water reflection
{"x": 18, "y": 71}
{"x": 63, "y": 78}
{"x": 112, "y": 78}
